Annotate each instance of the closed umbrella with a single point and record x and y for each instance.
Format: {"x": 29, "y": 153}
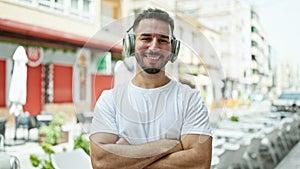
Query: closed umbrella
{"x": 17, "y": 91}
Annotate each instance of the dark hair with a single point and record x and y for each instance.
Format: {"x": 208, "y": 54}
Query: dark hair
{"x": 154, "y": 14}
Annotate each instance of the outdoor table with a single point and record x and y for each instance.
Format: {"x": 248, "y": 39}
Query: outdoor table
{"x": 218, "y": 142}
{"x": 244, "y": 126}
{"x": 217, "y": 151}
{"x": 229, "y": 134}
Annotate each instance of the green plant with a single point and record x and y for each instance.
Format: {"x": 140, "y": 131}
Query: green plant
{"x": 234, "y": 118}
{"x": 46, "y": 163}
{"x": 81, "y": 142}
{"x": 52, "y": 131}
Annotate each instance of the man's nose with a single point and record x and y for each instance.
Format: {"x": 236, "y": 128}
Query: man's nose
{"x": 154, "y": 44}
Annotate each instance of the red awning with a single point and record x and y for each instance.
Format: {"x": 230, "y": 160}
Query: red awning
{"x": 54, "y": 35}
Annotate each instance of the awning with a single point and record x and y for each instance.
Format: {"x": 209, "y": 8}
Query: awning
{"x": 12, "y": 30}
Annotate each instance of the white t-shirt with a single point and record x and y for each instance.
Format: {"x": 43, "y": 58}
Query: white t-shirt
{"x": 143, "y": 115}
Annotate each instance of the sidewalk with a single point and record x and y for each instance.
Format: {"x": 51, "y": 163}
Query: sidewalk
{"x": 291, "y": 160}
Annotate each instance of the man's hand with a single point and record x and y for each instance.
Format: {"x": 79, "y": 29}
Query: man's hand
{"x": 122, "y": 141}
{"x": 196, "y": 154}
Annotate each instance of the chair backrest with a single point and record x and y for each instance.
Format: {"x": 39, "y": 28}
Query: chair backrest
{"x": 74, "y": 159}
{"x": 8, "y": 161}
{"x": 22, "y": 120}
{"x": 226, "y": 158}
{"x": 272, "y": 135}
{"x": 33, "y": 122}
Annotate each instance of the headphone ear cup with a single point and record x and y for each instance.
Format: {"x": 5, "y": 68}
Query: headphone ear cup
{"x": 175, "y": 49}
{"x": 128, "y": 45}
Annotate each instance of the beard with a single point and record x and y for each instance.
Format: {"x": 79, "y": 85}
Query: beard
{"x": 151, "y": 70}
{"x": 148, "y": 69}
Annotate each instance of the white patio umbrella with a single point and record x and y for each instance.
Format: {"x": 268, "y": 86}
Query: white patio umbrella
{"x": 17, "y": 91}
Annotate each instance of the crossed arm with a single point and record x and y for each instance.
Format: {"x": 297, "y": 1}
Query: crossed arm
{"x": 110, "y": 151}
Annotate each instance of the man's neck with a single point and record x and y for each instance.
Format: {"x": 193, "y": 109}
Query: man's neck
{"x": 148, "y": 81}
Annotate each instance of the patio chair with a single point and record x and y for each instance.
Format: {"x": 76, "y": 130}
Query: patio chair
{"x": 226, "y": 159}
{"x": 9, "y": 161}
{"x": 22, "y": 121}
{"x": 252, "y": 155}
{"x": 269, "y": 145}
{"x": 74, "y": 159}
{"x": 295, "y": 135}
{"x": 285, "y": 134}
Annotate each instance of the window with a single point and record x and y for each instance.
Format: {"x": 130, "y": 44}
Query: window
{"x": 80, "y": 8}
{"x": 110, "y": 11}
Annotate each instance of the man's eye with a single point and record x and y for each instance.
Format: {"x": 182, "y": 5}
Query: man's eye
{"x": 164, "y": 41}
{"x": 146, "y": 39}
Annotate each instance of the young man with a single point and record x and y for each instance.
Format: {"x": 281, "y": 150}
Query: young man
{"x": 152, "y": 121}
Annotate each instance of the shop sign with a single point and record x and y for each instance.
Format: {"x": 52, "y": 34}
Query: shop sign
{"x": 35, "y": 56}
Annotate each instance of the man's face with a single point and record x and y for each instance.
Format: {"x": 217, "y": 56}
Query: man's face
{"x": 152, "y": 45}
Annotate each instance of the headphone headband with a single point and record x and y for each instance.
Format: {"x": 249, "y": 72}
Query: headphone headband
{"x": 129, "y": 45}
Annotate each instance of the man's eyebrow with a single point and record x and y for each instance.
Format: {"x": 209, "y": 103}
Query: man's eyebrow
{"x": 145, "y": 34}
{"x": 149, "y": 34}
{"x": 165, "y": 36}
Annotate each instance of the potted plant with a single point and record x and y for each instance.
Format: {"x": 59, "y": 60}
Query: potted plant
{"x": 52, "y": 133}
{"x": 46, "y": 162}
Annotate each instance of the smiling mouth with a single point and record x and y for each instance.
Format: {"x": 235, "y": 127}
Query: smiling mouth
{"x": 153, "y": 57}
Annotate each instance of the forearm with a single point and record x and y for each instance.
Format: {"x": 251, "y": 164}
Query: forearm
{"x": 131, "y": 156}
{"x": 197, "y": 156}
{"x": 182, "y": 159}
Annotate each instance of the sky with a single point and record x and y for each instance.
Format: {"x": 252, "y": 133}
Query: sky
{"x": 280, "y": 20}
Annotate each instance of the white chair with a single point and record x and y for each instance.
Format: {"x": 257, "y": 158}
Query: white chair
{"x": 252, "y": 155}
{"x": 295, "y": 130}
{"x": 269, "y": 144}
{"x": 227, "y": 158}
{"x": 8, "y": 161}
{"x": 237, "y": 159}
{"x": 75, "y": 159}
{"x": 285, "y": 135}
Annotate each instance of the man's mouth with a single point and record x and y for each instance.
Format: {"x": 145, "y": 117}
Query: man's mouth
{"x": 152, "y": 57}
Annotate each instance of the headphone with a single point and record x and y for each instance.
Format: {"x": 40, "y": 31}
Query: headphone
{"x": 129, "y": 45}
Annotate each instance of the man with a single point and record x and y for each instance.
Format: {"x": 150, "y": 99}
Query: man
{"x": 152, "y": 121}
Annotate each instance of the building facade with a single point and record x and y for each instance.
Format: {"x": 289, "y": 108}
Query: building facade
{"x": 64, "y": 54}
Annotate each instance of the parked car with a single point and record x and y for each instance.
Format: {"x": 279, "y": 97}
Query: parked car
{"x": 287, "y": 101}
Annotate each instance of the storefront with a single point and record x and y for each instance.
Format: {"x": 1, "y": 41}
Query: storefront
{"x": 62, "y": 68}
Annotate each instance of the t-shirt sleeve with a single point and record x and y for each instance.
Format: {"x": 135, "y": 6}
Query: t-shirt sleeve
{"x": 196, "y": 119}
{"x": 104, "y": 119}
